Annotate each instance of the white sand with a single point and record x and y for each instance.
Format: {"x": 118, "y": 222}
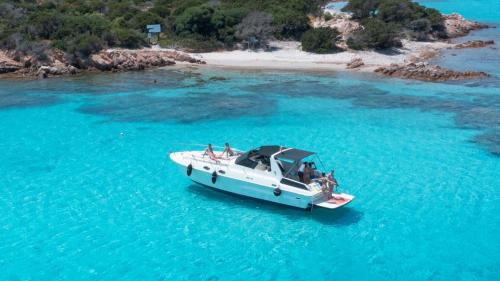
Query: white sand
{"x": 289, "y": 56}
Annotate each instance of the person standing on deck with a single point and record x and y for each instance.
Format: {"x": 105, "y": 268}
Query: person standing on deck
{"x": 307, "y": 173}
{"x": 300, "y": 172}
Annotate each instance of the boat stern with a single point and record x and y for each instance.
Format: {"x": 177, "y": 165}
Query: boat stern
{"x": 336, "y": 201}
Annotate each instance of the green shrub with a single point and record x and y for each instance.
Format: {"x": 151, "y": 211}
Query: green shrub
{"x": 141, "y": 19}
{"x": 128, "y": 38}
{"x": 290, "y": 24}
{"x": 327, "y": 16}
{"x": 80, "y": 47}
{"x": 406, "y": 15}
{"x": 320, "y": 40}
{"x": 420, "y": 29}
{"x": 361, "y": 9}
{"x": 376, "y": 34}
{"x": 195, "y": 20}
{"x": 354, "y": 43}
{"x": 396, "y": 11}
{"x": 83, "y": 45}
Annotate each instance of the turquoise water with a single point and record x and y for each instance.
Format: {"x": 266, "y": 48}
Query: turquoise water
{"x": 336, "y": 5}
{"x": 87, "y": 192}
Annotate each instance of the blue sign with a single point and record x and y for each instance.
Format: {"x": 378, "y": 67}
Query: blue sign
{"x": 153, "y": 28}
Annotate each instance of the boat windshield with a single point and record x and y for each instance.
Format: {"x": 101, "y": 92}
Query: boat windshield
{"x": 258, "y": 158}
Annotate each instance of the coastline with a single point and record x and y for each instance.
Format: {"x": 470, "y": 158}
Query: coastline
{"x": 410, "y": 61}
{"x": 287, "y": 55}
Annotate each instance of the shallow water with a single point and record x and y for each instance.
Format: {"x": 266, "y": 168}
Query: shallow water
{"x": 87, "y": 191}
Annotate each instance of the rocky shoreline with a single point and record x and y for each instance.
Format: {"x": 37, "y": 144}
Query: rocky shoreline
{"x": 427, "y": 72}
{"x": 107, "y": 60}
{"x": 414, "y": 65}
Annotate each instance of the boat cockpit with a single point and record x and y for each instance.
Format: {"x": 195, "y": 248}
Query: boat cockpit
{"x": 282, "y": 162}
{"x": 258, "y": 159}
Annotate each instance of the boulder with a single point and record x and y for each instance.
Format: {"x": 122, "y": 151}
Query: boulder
{"x": 474, "y": 44}
{"x": 427, "y": 72}
{"x": 138, "y": 59}
{"x": 355, "y": 63}
{"x": 456, "y": 25}
{"x": 7, "y": 64}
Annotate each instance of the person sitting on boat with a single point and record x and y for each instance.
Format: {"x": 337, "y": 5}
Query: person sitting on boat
{"x": 227, "y": 151}
{"x": 210, "y": 152}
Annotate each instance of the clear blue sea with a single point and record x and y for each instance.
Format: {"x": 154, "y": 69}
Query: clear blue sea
{"x": 87, "y": 192}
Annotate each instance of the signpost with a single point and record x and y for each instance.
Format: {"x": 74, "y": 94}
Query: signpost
{"x": 153, "y": 28}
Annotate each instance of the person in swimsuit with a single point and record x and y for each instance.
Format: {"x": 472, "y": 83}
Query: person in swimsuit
{"x": 332, "y": 181}
{"x": 324, "y": 183}
{"x": 210, "y": 152}
{"x": 227, "y": 151}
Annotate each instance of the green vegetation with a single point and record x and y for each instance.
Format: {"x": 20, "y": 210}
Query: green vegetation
{"x": 376, "y": 34}
{"x": 320, "y": 40}
{"x": 385, "y": 21}
{"x": 83, "y": 27}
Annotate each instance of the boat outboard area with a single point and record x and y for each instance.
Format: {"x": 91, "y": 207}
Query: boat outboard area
{"x": 272, "y": 173}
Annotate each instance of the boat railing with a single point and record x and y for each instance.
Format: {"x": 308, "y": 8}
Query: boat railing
{"x": 204, "y": 160}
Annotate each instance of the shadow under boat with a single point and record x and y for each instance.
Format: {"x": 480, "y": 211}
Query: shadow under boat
{"x": 344, "y": 216}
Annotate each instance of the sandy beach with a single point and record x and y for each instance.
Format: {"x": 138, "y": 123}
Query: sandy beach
{"x": 287, "y": 55}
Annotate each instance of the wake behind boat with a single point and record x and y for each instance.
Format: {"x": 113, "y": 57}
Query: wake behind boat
{"x": 272, "y": 173}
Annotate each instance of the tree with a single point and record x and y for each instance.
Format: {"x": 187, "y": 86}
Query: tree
{"x": 419, "y": 29}
{"x": 255, "y": 29}
{"x": 376, "y": 34}
{"x": 436, "y": 19}
{"x": 141, "y": 19}
{"x": 224, "y": 21}
{"x": 397, "y": 11}
{"x": 128, "y": 38}
{"x": 291, "y": 24}
{"x": 197, "y": 20}
{"x": 320, "y": 40}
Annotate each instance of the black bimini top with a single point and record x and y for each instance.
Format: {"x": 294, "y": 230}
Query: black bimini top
{"x": 268, "y": 150}
{"x": 262, "y": 154}
{"x": 294, "y": 154}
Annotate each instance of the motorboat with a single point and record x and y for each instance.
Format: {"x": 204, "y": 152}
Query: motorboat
{"x": 269, "y": 173}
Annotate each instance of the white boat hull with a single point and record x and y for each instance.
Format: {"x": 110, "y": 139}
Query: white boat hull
{"x": 248, "y": 189}
{"x": 231, "y": 178}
